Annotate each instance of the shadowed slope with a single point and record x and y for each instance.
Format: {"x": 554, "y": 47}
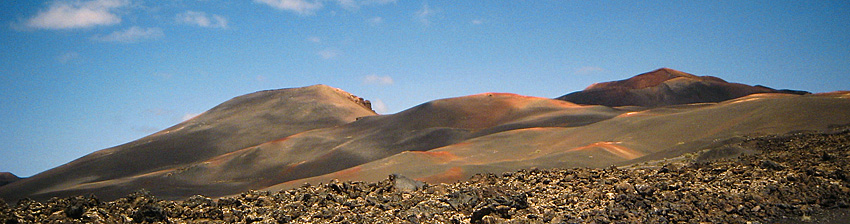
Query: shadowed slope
{"x": 238, "y": 123}
{"x": 282, "y": 138}
{"x": 665, "y": 87}
{"x": 317, "y": 152}
{"x": 632, "y": 137}
{"x": 7, "y": 178}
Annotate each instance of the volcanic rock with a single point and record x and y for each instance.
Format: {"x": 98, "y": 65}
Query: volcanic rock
{"x": 403, "y": 183}
{"x": 687, "y": 192}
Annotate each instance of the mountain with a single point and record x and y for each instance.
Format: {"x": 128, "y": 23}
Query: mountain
{"x": 318, "y": 152}
{"x": 664, "y": 87}
{"x": 7, "y": 178}
{"x": 627, "y": 138}
{"x": 233, "y": 125}
{"x": 281, "y": 139}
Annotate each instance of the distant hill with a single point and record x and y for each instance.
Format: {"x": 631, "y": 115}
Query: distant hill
{"x": 283, "y": 138}
{"x": 7, "y": 178}
{"x": 664, "y": 87}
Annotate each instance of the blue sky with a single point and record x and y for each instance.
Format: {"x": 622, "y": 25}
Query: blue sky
{"x": 77, "y": 76}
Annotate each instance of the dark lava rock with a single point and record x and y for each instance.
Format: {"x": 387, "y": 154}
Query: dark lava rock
{"x": 767, "y": 164}
{"x": 149, "y": 213}
{"x": 790, "y": 179}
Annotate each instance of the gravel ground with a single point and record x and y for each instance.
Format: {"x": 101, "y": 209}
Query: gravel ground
{"x": 793, "y": 178}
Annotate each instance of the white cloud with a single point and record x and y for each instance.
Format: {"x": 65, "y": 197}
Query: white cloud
{"x": 131, "y": 35}
{"x": 378, "y": 2}
{"x": 328, "y": 53}
{"x": 202, "y": 19}
{"x": 67, "y": 57}
{"x": 314, "y": 39}
{"x": 355, "y": 4}
{"x": 189, "y": 116}
{"x": 261, "y": 79}
{"x": 377, "y": 20}
{"x": 303, "y": 7}
{"x": 425, "y": 14}
{"x": 477, "y": 22}
{"x": 587, "y": 70}
{"x": 376, "y": 79}
{"x": 309, "y": 7}
{"x": 379, "y": 106}
{"x": 348, "y": 4}
{"x": 69, "y": 15}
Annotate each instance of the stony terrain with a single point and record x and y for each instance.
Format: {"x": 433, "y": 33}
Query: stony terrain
{"x": 789, "y": 178}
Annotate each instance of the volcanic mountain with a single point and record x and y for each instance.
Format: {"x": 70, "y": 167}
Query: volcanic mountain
{"x": 7, "y": 178}
{"x": 665, "y": 87}
{"x": 279, "y": 139}
{"x": 233, "y": 125}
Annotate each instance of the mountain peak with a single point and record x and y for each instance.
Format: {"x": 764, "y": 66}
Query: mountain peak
{"x": 673, "y": 73}
{"x": 8, "y": 178}
{"x": 660, "y": 87}
{"x": 645, "y": 80}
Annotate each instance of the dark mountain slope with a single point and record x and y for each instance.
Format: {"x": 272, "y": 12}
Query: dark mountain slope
{"x": 665, "y": 87}
{"x": 7, "y": 178}
{"x": 233, "y": 125}
{"x": 316, "y": 152}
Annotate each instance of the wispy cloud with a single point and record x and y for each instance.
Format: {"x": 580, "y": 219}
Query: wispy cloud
{"x": 355, "y": 4}
{"x": 587, "y": 70}
{"x": 189, "y": 116}
{"x": 379, "y": 106}
{"x": 328, "y": 53}
{"x": 314, "y": 39}
{"x": 477, "y": 22}
{"x": 302, "y": 7}
{"x": 261, "y": 79}
{"x": 425, "y": 14}
{"x": 77, "y": 14}
{"x": 310, "y": 7}
{"x": 202, "y": 19}
{"x": 374, "y": 21}
{"x": 376, "y": 79}
{"x": 67, "y": 57}
{"x": 131, "y": 35}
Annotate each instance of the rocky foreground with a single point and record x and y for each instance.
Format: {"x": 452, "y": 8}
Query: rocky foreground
{"x": 792, "y": 178}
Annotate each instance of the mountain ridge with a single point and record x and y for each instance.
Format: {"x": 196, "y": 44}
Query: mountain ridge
{"x": 238, "y": 123}
{"x": 665, "y": 87}
{"x": 278, "y": 139}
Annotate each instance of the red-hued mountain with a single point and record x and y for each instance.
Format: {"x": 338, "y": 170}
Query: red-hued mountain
{"x": 664, "y": 87}
{"x": 283, "y": 138}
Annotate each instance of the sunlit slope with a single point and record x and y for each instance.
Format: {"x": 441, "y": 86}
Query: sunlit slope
{"x": 233, "y": 125}
{"x": 321, "y": 151}
{"x": 283, "y": 138}
{"x": 630, "y": 137}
